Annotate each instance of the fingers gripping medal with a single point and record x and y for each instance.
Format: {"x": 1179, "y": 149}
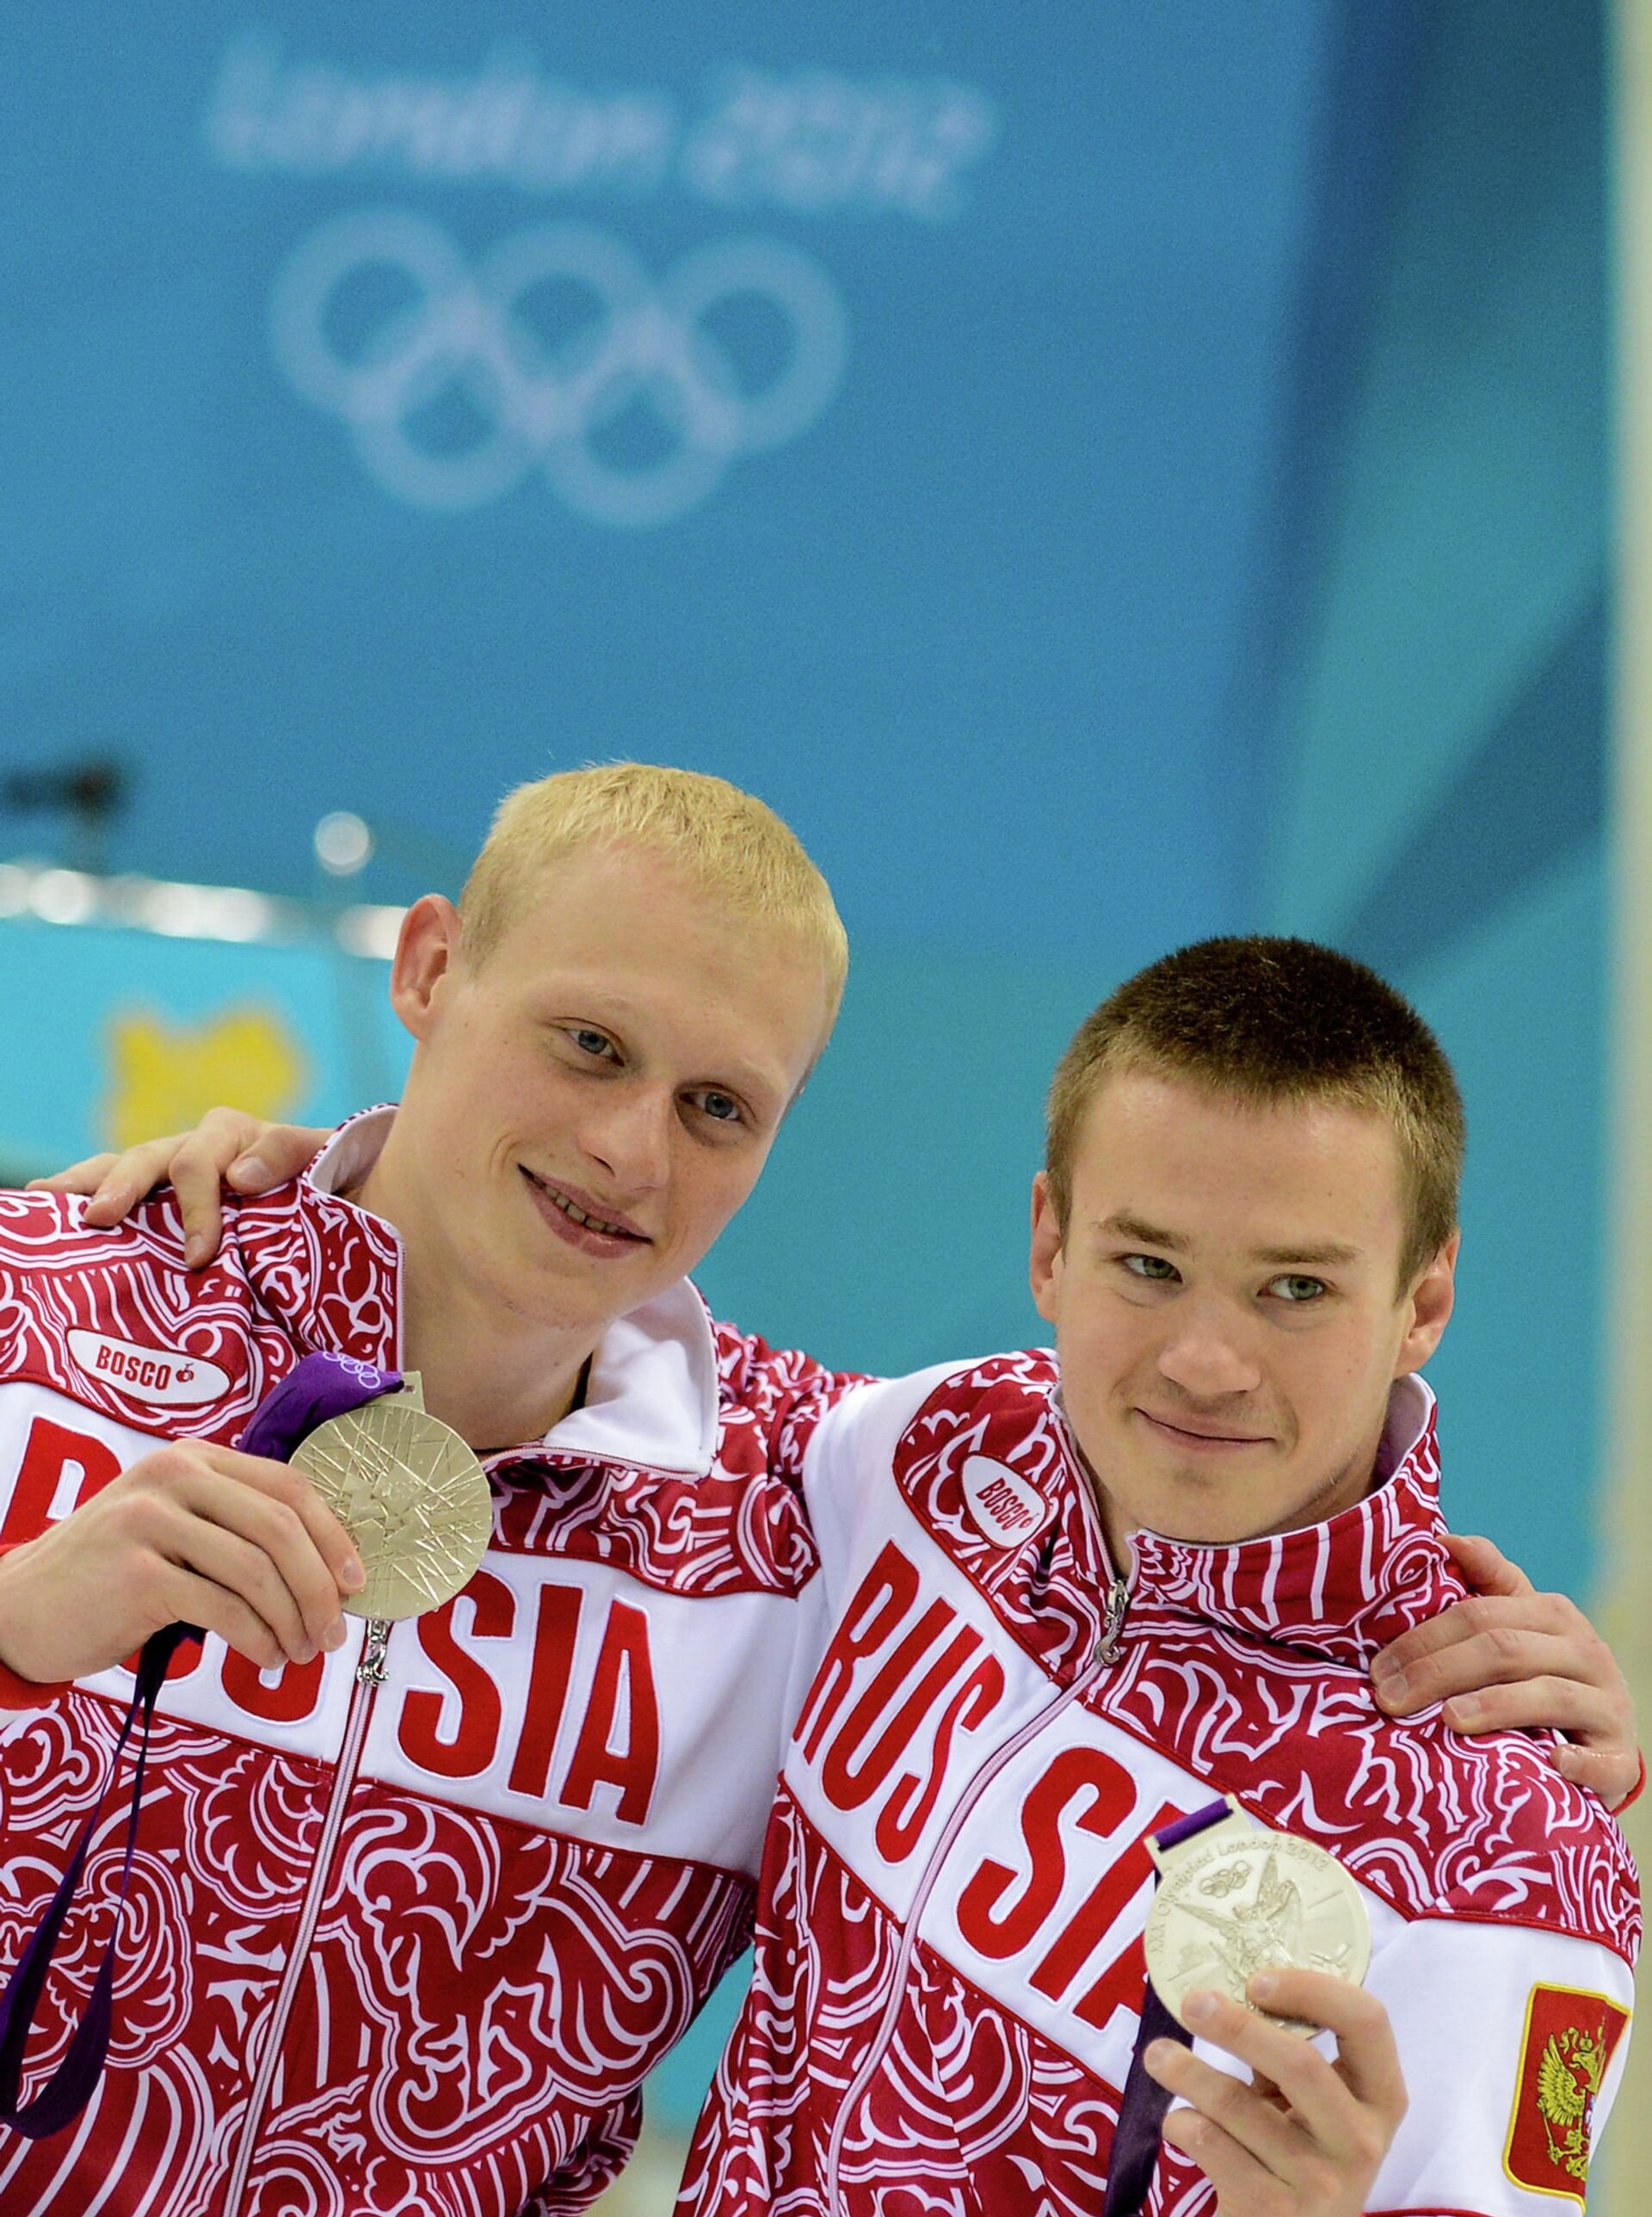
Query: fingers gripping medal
{"x": 412, "y": 1496}
{"x": 1233, "y": 1899}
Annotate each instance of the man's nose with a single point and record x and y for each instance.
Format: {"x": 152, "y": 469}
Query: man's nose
{"x": 1208, "y": 1353}
{"x": 629, "y": 1135}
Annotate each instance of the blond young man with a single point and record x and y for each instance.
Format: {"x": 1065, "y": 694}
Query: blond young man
{"x": 415, "y": 1906}
{"x": 1540, "y": 1638}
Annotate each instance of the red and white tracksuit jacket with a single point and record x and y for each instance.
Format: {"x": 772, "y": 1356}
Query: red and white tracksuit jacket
{"x": 948, "y": 1955}
{"x": 409, "y": 1948}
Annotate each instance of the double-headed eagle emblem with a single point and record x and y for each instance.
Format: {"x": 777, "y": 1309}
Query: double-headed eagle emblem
{"x": 1569, "y": 2072}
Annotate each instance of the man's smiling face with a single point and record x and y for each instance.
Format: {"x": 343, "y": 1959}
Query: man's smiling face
{"x": 594, "y": 1099}
{"x": 1227, "y": 1305}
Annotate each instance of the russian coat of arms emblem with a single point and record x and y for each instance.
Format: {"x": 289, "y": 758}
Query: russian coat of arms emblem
{"x": 1570, "y": 2038}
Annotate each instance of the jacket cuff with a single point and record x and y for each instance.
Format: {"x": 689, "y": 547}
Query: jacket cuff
{"x": 1634, "y": 1791}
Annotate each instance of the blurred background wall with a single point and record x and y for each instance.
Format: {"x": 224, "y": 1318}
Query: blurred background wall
{"x": 1107, "y": 473}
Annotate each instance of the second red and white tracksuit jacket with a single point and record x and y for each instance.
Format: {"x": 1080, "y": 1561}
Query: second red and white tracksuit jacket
{"x": 949, "y": 1960}
{"x": 408, "y": 1947}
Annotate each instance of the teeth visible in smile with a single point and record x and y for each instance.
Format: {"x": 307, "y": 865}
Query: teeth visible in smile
{"x": 591, "y": 1223}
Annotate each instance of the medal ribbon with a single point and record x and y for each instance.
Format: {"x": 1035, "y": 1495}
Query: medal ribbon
{"x": 1146, "y": 2104}
{"x": 321, "y": 1387}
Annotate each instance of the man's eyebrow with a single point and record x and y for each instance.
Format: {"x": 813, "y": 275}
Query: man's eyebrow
{"x": 1332, "y": 1255}
{"x": 1122, "y": 1225}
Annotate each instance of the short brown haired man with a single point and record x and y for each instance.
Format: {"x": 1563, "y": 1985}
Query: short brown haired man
{"x": 1071, "y": 1601}
{"x": 1313, "y": 1030}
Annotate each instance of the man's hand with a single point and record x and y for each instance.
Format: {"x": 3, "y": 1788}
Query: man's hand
{"x": 227, "y": 1147}
{"x": 192, "y": 1534}
{"x": 1305, "y": 2138}
{"x": 1511, "y": 1657}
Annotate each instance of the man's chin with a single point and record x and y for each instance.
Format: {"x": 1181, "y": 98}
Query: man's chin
{"x": 1194, "y": 1519}
{"x": 1193, "y": 1508}
{"x": 559, "y": 1290}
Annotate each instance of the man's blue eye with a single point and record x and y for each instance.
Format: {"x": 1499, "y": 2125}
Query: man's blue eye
{"x": 1297, "y": 1289}
{"x": 722, "y": 1108}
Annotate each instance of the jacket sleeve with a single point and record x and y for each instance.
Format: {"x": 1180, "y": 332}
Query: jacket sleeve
{"x": 593, "y": 2166}
{"x": 1512, "y": 2040}
{"x": 782, "y": 1392}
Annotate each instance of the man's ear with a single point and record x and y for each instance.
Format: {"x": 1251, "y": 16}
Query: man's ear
{"x": 425, "y": 953}
{"x": 1431, "y": 1301}
{"x": 1045, "y": 1261}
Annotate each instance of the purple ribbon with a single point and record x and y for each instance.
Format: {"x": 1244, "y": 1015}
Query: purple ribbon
{"x": 319, "y": 1386}
{"x": 1146, "y": 2103}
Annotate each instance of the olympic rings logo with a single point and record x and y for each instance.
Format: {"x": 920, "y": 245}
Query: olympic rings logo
{"x": 542, "y": 403}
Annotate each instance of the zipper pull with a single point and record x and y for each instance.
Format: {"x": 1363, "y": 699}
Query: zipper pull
{"x": 1119, "y": 1600}
{"x": 370, "y": 1670}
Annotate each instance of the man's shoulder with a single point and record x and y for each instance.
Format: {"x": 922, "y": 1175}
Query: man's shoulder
{"x": 1006, "y": 1384}
{"x": 44, "y": 1238}
{"x": 112, "y": 1322}
{"x": 1440, "y": 1824}
{"x": 997, "y": 1402}
{"x": 789, "y": 1399}
{"x": 1531, "y": 1848}
{"x": 754, "y": 1373}
{"x": 997, "y": 1399}
{"x": 771, "y": 1399}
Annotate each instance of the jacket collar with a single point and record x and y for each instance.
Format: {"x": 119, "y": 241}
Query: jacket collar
{"x": 1343, "y": 1588}
{"x": 331, "y": 1274}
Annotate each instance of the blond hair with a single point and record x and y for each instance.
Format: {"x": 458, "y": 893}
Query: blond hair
{"x": 1262, "y": 1020}
{"x": 724, "y": 840}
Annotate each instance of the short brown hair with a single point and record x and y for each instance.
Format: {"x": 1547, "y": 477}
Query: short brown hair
{"x": 723, "y": 838}
{"x": 1276, "y": 1020}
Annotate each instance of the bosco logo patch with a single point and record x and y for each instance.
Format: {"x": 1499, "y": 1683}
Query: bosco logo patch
{"x": 1570, "y": 2038}
{"x": 1004, "y": 1505}
{"x": 163, "y": 1375}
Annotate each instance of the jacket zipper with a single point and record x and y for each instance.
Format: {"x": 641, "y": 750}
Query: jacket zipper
{"x": 1118, "y": 1595}
{"x": 369, "y": 1677}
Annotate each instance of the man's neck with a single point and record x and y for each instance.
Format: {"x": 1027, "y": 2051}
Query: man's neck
{"x": 498, "y": 1378}
{"x": 497, "y": 1390}
{"x": 1360, "y": 1476}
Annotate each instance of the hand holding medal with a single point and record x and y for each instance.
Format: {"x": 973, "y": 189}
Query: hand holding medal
{"x": 1245, "y": 1915}
{"x": 416, "y": 1504}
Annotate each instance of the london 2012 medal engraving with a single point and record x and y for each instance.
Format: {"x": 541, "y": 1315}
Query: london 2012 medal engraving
{"x": 1236, "y": 1901}
{"x": 412, "y": 1496}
